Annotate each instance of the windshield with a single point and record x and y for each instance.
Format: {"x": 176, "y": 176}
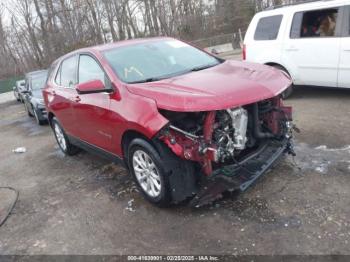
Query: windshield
{"x": 153, "y": 61}
{"x": 38, "y": 82}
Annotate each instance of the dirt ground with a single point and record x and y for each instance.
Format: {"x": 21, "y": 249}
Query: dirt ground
{"x": 85, "y": 205}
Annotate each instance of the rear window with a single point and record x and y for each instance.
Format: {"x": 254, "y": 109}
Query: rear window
{"x": 268, "y": 28}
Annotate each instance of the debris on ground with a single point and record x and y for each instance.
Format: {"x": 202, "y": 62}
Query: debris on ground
{"x": 19, "y": 150}
{"x": 129, "y": 207}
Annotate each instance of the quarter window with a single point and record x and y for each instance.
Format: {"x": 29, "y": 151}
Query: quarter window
{"x": 89, "y": 69}
{"x": 268, "y": 28}
{"x": 68, "y": 72}
{"x": 319, "y": 23}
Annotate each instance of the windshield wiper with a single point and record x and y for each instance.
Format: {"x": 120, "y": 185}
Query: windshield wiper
{"x": 151, "y": 79}
{"x": 199, "y": 68}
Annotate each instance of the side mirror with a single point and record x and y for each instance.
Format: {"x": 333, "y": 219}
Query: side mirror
{"x": 93, "y": 86}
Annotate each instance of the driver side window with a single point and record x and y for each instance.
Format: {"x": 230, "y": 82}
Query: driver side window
{"x": 89, "y": 70}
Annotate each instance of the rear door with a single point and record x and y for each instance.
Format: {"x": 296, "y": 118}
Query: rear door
{"x": 63, "y": 92}
{"x": 91, "y": 111}
{"x": 344, "y": 61}
{"x": 312, "y": 50}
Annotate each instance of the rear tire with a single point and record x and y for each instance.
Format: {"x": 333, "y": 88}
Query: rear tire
{"x": 288, "y": 92}
{"x": 62, "y": 139}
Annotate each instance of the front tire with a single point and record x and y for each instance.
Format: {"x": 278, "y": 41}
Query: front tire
{"x": 62, "y": 139}
{"x": 177, "y": 179}
{"x": 147, "y": 169}
{"x": 38, "y": 121}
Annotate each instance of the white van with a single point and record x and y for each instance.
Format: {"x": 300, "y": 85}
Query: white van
{"x": 310, "y": 41}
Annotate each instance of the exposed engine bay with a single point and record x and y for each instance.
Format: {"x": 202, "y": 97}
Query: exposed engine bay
{"x": 219, "y": 138}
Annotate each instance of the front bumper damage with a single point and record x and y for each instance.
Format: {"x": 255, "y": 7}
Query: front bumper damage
{"x": 268, "y": 131}
{"x": 241, "y": 175}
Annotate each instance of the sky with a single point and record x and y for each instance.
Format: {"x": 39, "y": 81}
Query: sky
{"x": 6, "y": 13}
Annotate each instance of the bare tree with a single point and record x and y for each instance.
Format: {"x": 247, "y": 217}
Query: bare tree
{"x": 39, "y": 31}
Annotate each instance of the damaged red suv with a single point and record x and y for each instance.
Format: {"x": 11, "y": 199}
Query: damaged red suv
{"x": 185, "y": 124}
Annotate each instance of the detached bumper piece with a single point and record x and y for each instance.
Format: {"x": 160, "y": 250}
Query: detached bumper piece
{"x": 241, "y": 175}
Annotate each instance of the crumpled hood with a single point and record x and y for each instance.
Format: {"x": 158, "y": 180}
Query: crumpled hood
{"x": 228, "y": 85}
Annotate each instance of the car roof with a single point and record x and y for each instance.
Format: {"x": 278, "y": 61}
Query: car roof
{"x": 108, "y": 46}
{"x": 36, "y": 73}
{"x": 303, "y": 6}
{"x": 129, "y": 42}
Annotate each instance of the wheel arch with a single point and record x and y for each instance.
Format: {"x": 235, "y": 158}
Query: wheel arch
{"x": 128, "y": 136}
{"x": 274, "y": 64}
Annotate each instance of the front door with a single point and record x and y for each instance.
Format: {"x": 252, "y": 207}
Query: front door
{"x": 91, "y": 111}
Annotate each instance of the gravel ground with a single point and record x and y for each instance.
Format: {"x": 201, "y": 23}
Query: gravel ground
{"x": 85, "y": 205}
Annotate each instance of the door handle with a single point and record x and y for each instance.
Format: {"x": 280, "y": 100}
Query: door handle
{"x": 347, "y": 50}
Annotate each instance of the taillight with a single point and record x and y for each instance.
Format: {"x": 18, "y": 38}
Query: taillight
{"x": 244, "y": 52}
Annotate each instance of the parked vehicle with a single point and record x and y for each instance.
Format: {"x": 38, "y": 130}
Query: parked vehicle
{"x": 176, "y": 116}
{"x": 310, "y": 41}
{"x": 18, "y": 89}
{"x": 33, "y": 98}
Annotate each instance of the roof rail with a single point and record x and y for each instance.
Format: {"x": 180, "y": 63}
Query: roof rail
{"x": 297, "y": 3}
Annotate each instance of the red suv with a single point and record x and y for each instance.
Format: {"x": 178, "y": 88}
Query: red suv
{"x": 184, "y": 122}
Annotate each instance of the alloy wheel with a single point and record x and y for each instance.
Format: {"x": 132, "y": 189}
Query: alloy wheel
{"x": 146, "y": 173}
{"x": 60, "y": 137}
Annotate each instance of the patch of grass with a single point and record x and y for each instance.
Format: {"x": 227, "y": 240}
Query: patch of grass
{"x": 7, "y": 84}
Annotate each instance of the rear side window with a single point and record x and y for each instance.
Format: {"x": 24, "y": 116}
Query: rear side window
{"x": 316, "y": 23}
{"x": 67, "y": 73}
{"x": 268, "y": 28}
